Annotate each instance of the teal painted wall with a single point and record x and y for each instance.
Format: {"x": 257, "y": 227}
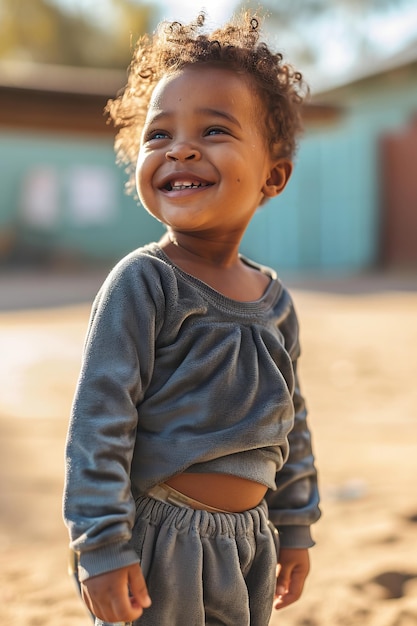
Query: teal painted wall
{"x": 66, "y": 197}
{"x": 326, "y": 217}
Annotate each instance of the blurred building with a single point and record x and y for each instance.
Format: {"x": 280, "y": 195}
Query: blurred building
{"x": 379, "y": 164}
{"x": 62, "y": 195}
{"x": 350, "y": 204}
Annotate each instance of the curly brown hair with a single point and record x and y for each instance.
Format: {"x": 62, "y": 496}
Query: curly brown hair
{"x": 235, "y": 46}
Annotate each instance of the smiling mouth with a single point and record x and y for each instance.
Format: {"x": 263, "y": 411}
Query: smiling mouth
{"x": 179, "y": 185}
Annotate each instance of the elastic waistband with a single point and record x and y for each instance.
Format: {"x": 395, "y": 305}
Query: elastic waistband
{"x": 166, "y": 493}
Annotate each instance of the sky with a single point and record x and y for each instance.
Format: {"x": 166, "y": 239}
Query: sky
{"x": 395, "y": 30}
{"x": 388, "y": 29}
{"x": 387, "y": 32}
{"x": 217, "y": 10}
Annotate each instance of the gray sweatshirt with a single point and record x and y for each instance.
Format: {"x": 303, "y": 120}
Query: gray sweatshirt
{"x": 178, "y": 378}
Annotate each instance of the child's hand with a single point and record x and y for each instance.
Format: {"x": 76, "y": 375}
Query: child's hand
{"x": 294, "y": 565}
{"x": 117, "y": 596}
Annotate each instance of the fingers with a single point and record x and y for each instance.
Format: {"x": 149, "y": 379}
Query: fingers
{"x": 293, "y": 569}
{"x": 86, "y": 597}
{"x": 139, "y": 596}
{"x": 117, "y": 596}
{"x": 288, "y": 592}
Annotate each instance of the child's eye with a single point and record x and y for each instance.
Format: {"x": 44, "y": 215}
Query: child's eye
{"x": 156, "y": 134}
{"x": 216, "y": 131}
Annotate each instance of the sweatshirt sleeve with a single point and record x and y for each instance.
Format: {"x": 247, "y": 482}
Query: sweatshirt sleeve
{"x": 117, "y": 365}
{"x": 294, "y": 505}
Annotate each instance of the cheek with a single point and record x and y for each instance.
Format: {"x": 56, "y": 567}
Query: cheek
{"x": 144, "y": 191}
{"x": 144, "y": 173}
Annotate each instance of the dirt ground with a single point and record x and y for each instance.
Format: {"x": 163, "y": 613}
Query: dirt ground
{"x": 359, "y": 371}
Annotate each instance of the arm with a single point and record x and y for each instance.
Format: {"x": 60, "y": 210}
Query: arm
{"x": 294, "y": 506}
{"x": 98, "y": 505}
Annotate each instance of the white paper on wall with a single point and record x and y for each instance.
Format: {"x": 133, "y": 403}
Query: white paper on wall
{"x": 92, "y": 195}
{"x": 39, "y": 205}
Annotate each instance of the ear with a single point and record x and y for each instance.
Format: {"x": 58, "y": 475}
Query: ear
{"x": 278, "y": 177}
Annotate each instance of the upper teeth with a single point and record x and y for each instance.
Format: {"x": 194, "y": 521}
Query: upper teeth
{"x": 185, "y": 184}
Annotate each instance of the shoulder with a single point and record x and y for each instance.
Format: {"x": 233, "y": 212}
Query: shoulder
{"x": 264, "y": 269}
{"x": 283, "y": 301}
{"x": 288, "y": 322}
{"x": 140, "y": 261}
{"x": 142, "y": 271}
{"x": 132, "y": 289}
{"x": 285, "y": 315}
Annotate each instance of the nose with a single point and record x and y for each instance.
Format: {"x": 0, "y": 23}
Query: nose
{"x": 182, "y": 151}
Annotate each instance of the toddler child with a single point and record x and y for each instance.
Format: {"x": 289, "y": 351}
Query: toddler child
{"x": 188, "y": 437}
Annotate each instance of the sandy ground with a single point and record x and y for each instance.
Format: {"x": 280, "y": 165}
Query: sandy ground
{"x": 359, "y": 371}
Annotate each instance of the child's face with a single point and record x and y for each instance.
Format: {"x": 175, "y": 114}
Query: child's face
{"x": 203, "y": 162}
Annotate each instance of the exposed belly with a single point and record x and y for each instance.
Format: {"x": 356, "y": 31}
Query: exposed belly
{"x": 222, "y": 491}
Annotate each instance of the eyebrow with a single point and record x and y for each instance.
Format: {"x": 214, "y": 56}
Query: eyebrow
{"x": 205, "y": 111}
{"x": 223, "y": 114}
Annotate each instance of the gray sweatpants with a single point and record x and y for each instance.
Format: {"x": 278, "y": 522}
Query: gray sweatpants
{"x": 201, "y": 568}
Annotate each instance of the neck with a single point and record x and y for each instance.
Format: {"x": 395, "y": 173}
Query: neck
{"x": 202, "y": 250}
